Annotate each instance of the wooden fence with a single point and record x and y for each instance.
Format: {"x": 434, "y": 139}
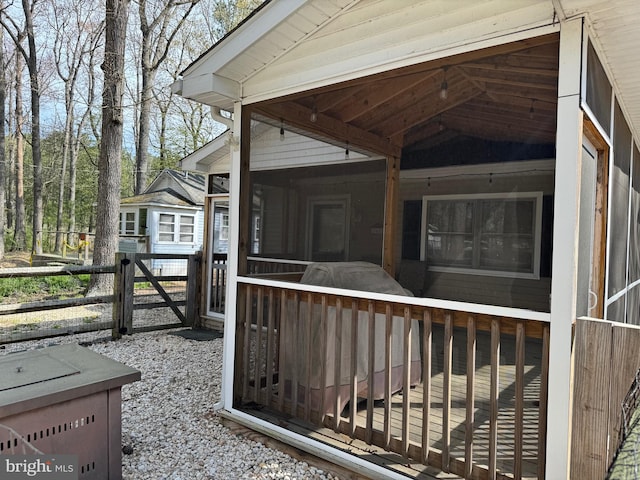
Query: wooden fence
{"x": 128, "y": 269}
{"x": 606, "y": 360}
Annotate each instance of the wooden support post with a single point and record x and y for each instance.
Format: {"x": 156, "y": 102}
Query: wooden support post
{"x": 124, "y": 280}
{"x": 192, "y": 310}
{"x": 390, "y": 211}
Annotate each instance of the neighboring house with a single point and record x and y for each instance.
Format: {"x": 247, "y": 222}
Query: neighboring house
{"x": 485, "y": 154}
{"x": 167, "y": 218}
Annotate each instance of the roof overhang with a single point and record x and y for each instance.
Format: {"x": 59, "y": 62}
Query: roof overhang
{"x": 213, "y": 157}
{"x": 277, "y": 51}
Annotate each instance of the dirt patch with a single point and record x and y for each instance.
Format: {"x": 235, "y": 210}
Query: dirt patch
{"x": 16, "y": 260}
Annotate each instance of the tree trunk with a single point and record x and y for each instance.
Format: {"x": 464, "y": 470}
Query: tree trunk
{"x": 109, "y": 163}
{"x": 32, "y": 66}
{"x": 142, "y": 160}
{"x": 68, "y": 126}
{"x": 19, "y": 235}
{"x": 3, "y": 88}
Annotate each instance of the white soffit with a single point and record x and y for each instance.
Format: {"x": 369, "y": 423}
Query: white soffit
{"x": 378, "y": 35}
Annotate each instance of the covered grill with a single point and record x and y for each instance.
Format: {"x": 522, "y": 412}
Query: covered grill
{"x": 64, "y": 400}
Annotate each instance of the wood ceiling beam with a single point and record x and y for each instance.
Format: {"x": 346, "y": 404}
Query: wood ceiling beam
{"x": 402, "y": 121}
{"x": 507, "y": 69}
{"x": 379, "y": 93}
{"x": 299, "y": 116}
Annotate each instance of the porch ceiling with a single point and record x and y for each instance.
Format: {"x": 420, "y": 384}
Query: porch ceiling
{"x": 505, "y": 93}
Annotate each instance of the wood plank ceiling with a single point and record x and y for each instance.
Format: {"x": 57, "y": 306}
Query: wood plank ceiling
{"x": 505, "y": 93}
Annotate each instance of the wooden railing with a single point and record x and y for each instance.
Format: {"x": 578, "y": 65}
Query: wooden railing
{"x": 473, "y": 386}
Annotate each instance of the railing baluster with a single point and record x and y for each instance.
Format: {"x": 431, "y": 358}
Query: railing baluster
{"x": 270, "y": 339}
{"x": 296, "y": 353}
{"x": 323, "y": 358}
{"x": 470, "y": 403}
{"x": 308, "y": 325}
{"x": 353, "y": 388}
{"x": 446, "y": 391}
{"x": 542, "y": 411}
{"x": 406, "y": 381}
{"x": 282, "y": 363}
{"x": 258, "y": 352}
{"x": 387, "y": 375}
{"x": 519, "y": 413}
{"x": 337, "y": 365}
{"x": 370, "y": 373}
{"x": 426, "y": 384}
{"x": 494, "y": 391}
{"x": 246, "y": 343}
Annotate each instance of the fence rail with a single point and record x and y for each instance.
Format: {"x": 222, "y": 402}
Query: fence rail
{"x": 124, "y": 270}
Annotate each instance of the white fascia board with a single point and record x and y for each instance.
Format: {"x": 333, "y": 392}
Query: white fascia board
{"x": 244, "y": 36}
{"x": 206, "y": 156}
{"x": 194, "y": 86}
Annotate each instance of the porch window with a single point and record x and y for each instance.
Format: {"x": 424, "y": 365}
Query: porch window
{"x": 492, "y": 234}
{"x": 176, "y": 228}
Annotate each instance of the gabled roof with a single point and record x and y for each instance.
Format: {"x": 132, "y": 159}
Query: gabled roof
{"x": 164, "y": 197}
{"x": 189, "y": 185}
{"x": 173, "y": 188}
{"x": 287, "y": 48}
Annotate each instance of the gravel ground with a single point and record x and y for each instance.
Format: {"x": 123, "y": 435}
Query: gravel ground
{"x": 168, "y": 421}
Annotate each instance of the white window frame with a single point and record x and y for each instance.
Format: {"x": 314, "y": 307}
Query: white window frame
{"x": 224, "y": 227}
{"x": 176, "y": 232}
{"x": 537, "y": 233}
{"x": 124, "y": 221}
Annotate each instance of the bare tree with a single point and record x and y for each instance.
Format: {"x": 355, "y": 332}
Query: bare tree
{"x": 81, "y": 125}
{"x": 3, "y": 90}
{"x": 109, "y": 163}
{"x": 158, "y": 31}
{"x": 31, "y": 58}
{"x": 19, "y": 234}
{"x": 77, "y": 33}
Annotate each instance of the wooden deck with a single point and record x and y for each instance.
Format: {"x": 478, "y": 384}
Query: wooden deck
{"x": 457, "y": 416}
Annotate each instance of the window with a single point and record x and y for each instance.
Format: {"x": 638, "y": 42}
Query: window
{"x": 128, "y": 223}
{"x": 142, "y": 221}
{"x": 187, "y": 229}
{"x": 224, "y": 226}
{"x": 491, "y": 234}
{"x": 176, "y": 228}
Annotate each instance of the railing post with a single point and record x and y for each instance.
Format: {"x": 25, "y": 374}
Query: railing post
{"x": 193, "y": 282}
{"x": 124, "y": 280}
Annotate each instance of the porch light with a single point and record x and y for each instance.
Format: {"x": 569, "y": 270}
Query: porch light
{"x": 444, "y": 86}
{"x": 314, "y": 114}
{"x": 281, "y": 131}
{"x": 346, "y": 152}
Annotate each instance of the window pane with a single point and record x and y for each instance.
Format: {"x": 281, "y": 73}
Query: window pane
{"x": 450, "y": 232}
{"x": 619, "y": 207}
{"x": 166, "y": 227}
{"x": 598, "y": 90}
{"x": 506, "y": 235}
